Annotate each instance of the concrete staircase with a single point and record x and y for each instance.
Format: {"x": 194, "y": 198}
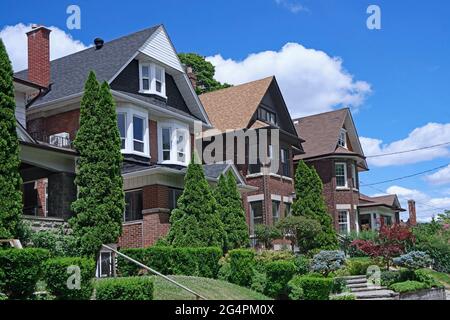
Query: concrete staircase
{"x": 358, "y": 287}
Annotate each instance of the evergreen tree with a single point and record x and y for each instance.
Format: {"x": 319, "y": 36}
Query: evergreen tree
{"x": 10, "y": 179}
{"x": 100, "y": 204}
{"x": 231, "y": 212}
{"x": 196, "y": 222}
{"x": 310, "y": 203}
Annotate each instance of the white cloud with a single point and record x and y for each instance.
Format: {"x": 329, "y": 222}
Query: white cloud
{"x": 427, "y": 207}
{"x": 292, "y": 6}
{"x": 428, "y": 135}
{"x": 15, "y": 40}
{"x": 311, "y": 80}
{"x": 440, "y": 177}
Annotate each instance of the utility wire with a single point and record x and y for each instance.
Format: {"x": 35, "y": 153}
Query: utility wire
{"x": 407, "y": 151}
{"x": 405, "y": 177}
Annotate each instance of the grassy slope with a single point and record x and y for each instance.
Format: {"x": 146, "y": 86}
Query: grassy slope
{"x": 209, "y": 288}
{"x": 443, "y": 278}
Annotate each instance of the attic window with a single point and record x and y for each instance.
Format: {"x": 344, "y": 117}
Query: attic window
{"x": 342, "y": 142}
{"x": 152, "y": 79}
{"x": 267, "y": 116}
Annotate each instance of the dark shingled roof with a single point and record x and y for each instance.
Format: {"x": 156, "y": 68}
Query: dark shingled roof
{"x": 214, "y": 170}
{"x": 390, "y": 201}
{"x": 69, "y": 73}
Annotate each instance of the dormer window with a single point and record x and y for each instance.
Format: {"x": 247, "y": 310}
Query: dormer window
{"x": 342, "y": 142}
{"x": 267, "y": 116}
{"x": 152, "y": 79}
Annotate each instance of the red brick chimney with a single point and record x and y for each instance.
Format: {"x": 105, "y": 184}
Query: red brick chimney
{"x": 412, "y": 221}
{"x": 191, "y": 75}
{"x": 39, "y": 55}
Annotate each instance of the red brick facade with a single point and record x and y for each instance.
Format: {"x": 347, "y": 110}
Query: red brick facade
{"x": 39, "y": 56}
{"x": 62, "y": 122}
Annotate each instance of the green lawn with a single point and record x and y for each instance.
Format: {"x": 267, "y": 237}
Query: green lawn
{"x": 209, "y": 288}
{"x": 443, "y": 278}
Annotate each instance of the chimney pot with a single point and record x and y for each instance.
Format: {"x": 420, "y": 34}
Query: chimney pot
{"x": 412, "y": 221}
{"x": 98, "y": 43}
{"x": 39, "y": 55}
{"x": 192, "y": 76}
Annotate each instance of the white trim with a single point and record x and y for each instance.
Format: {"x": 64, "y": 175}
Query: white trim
{"x": 152, "y": 79}
{"x": 131, "y": 111}
{"x": 258, "y": 197}
{"x": 175, "y": 127}
{"x": 275, "y": 197}
{"x": 288, "y": 199}
{"x": 347, "y": 217}
{"x": 345, "y": 175}
{"x": 343, "y": 207}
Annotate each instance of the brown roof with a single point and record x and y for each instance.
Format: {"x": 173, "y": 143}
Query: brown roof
{"x": 233, "y": 108}
{"x": 320, "y": 132}
{"x": 390, "y": 201}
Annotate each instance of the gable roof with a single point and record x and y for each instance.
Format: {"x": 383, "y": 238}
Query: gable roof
{"x": 321, "y": 134}
{"x": 233, "y": 108}
{"x": 390, "y": 201}
{"x": 69, "y": 73}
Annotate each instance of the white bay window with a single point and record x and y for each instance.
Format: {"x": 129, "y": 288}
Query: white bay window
{"x": 133, "y": 129}
{"x": 174, "y": 143}
{"x": 152, "y": 79}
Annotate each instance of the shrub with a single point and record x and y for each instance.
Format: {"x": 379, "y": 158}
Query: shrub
{"x": 346, "y": 296}
{"x": 131, "y": 288}
{"x": 57, "y": 273}
{"x": 328, "y": 261}
{"x": 424, "y": 277}
{"x": 265, "y": 235}
{"x": 389, "y": 277}
{"x": 279, "y": 273}
{"x": 358, "y": 266}
{"x": 314, "y": 288}
{"x": 302, "y": 264}
{"x": 20, "y": 270}
{"x": 266, "y": 256}
{"x": 408, "y": 286}
{"x": 224, "y": 269}
{"x": 259, "y": 281}
{"x": 339, "y": 285}
{"x": 202, "y": 262}
{"x": 58, "y": 243}
{"x": 295, "y": 289}
{"x": 301, "y": 231}
{"x": 242, "y": 262}
{"x": 413, "y": 260}
{"x": 434, "y": 239}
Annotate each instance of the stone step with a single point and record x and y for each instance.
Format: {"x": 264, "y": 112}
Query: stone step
{"x": 372, "y": 294}
{"x": 366, "y": 289}
{"x": 354, "y": 277}
{"x": 357, "y": 285}
{"x": 390, "y": 298}
{"x": 356, "y": 281}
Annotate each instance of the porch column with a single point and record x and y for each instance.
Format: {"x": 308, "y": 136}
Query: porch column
{"x": 61, "y": 193}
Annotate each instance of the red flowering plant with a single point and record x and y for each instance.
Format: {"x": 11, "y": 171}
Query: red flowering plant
{"x": 391, "y": 242}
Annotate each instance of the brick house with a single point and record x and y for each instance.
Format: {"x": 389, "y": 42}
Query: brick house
{"x": 333, "y": 148}
{"x": 256, "y": 107}
{"x": 157, "y": 110}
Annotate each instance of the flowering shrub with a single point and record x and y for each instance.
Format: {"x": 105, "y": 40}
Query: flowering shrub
{"x": 328, "y": 261}
{"x": 413, "y": 260}
{"x": 390, "y": 242}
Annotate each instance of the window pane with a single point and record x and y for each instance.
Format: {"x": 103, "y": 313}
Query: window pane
{"x": 257, "y": 214}
{"x": 158, "y": 86}
{"x": 275, "y": 211}
{"x": 340, "y": 175}
{"x": 105, "y": 264}
{"x": 146, "y": 84}
{"x": 138, "y": 146}
{"x": 121, "y": 123}
{"x": 287, "y": 209}
{"x": 158, "y": 74}
{"x": 343, "y": 222}
{"x": 145, "y": 72}
{"x": 138, "y": 128}
{"x": 133, "y": 205}
{"x": 174, "y": 194}
{"x": 166, "y": 143}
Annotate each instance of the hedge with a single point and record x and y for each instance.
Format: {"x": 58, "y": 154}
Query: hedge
{"x": 57, "y": 276}
{"x": 130, "y": 288}
{"x": 408, "y": 286}
{"x": 20, "y": 271}
{"x": 358, "y": 266}
{"x": 314, "y": 288}
{"x": 242, "y": 262}
{"x": 201, "y": 262}
{"x": 279, "y": 273}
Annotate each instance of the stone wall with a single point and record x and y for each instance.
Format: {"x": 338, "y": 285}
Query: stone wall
{"x": 45, "y": 223}
{"x": 428, "y": 294}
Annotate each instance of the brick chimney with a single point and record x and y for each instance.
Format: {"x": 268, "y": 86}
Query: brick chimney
{"x": 191, "y": 75}
{"x": 412, "y": 221}
{"x": 39, "y": 55}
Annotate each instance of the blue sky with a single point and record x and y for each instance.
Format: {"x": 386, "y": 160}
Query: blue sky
{"x": 395, "y": 79}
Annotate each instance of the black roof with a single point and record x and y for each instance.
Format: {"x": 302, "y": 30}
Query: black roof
{"x": 69, "y": 73}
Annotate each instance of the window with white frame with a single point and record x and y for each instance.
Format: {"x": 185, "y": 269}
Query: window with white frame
{"x": 343, "y": 138}
{"x": 341, "y": 175}
{"x": 174, "y": 143}
{"x": 354, "y": 179}
{"x": 344, "y": 223}
{"x": 133, "y": 128}
{"x": 152, "y": 79}
{"x": 275, "y": 211}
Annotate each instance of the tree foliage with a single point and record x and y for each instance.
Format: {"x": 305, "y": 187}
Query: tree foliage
{"x": 231, "y": 212}
{"x": 196, "y": 222}
{"x": 265, "y": 234}
{"x": 310, "y": 203}
{"x": 100, "y": 204}
{"x": 301, "y": 231}
{"x": 204, "y": 71}
{"x": 10, "y": 179}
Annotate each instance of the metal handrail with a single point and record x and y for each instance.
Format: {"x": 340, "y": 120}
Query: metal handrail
{"x": 198, "y": 296}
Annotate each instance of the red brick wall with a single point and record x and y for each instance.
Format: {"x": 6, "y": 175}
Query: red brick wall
{"x": 39, "y": 56}
{"x": 131, "y": 235}
{"x": 40, "y": 187}
{"x": 63, "y": 122}
{"x": 153, "y": 129}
